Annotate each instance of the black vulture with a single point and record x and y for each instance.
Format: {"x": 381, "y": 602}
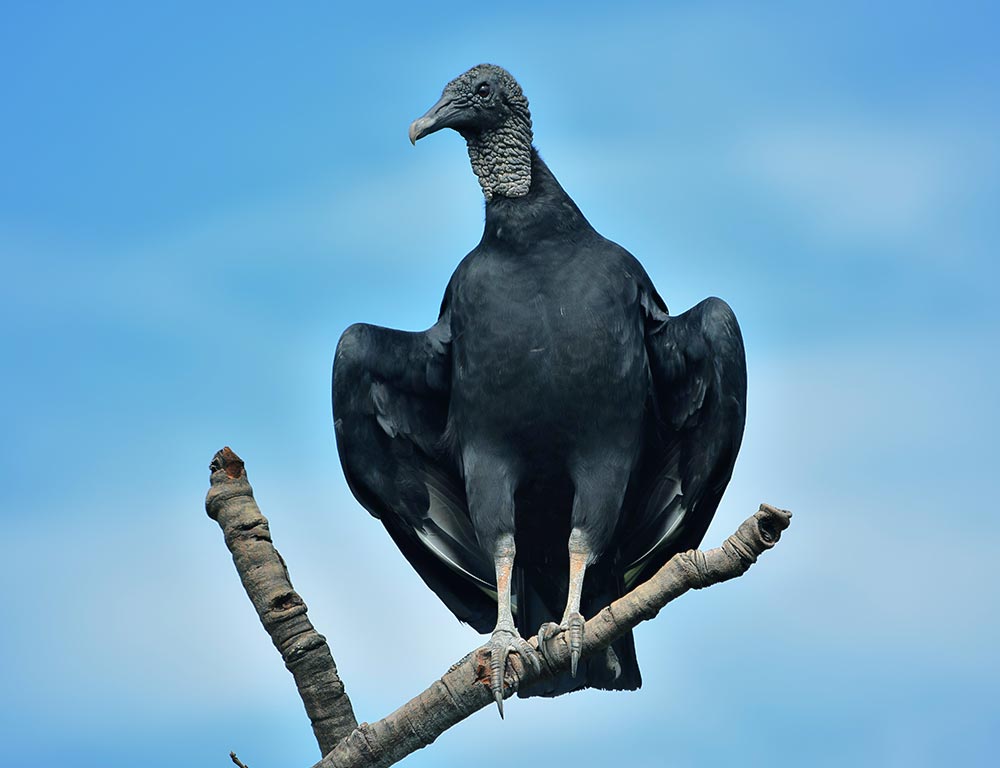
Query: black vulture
{"x": 555, "y": 420}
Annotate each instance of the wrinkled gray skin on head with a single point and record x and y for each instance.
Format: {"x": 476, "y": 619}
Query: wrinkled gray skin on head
{"x": 497, "y": 129}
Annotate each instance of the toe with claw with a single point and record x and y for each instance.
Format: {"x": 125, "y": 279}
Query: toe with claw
{"x": 501, "y": 645}
{"x": 572, "y": 624}
{"x": 546, "y": 632}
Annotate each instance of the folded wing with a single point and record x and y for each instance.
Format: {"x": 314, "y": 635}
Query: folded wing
{"x": 698, "y": 369}
{"x": 390, "y": 406}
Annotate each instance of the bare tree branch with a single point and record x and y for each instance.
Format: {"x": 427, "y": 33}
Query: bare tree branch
{"x": 305, "y": 652}
{"x": 464, "y": 688}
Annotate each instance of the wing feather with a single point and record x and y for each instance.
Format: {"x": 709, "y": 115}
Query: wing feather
{"x": 698, "y": 369}
{"x": 390, "y": 405}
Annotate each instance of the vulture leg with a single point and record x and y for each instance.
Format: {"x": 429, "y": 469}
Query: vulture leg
{"x": 600, "y": 489}
{"x": 505, "y": 639}
{"x": 580, "y": 556}
{"x": 489, "y": 482}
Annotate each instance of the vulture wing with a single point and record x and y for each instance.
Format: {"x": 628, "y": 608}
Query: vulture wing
{"x": 699, "y": 383}
{"x": 390, "y": 405}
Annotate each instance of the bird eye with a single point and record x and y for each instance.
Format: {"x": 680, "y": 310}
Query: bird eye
{"x": 483, "y": 90}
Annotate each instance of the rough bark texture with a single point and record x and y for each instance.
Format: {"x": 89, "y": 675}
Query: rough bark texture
{"x": 465, "y": 687}
{"x": 305, "y": 652}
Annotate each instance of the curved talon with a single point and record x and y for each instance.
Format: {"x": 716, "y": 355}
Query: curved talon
{"x": 525, "y": 651}
{"x": 498, "y": 665}
{"x": 575, "y": 624}
{"x": 501, "y": 645}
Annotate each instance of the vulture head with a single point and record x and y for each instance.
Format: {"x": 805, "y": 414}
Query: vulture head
{"x": 487, "y": 107}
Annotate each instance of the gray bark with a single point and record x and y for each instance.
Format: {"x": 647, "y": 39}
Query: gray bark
{"x": 305, "y": 652}
{"x": 465, "y": 687}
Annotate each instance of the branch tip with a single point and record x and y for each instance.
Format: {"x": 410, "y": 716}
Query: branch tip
{"x": 234, "y": 758}
{"x": 227, "y": 460}
{"x": 771, "y": 521}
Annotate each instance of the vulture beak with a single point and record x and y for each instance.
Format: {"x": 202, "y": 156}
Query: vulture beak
{"x": 447, "y": 113}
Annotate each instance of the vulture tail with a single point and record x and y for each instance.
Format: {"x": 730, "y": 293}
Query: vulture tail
{"x": 541, "y": 597}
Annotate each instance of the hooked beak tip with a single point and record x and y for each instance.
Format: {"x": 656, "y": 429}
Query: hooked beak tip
{"x": 418, "y": 128}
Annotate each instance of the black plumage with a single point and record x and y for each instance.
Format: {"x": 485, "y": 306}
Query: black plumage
{"x": 555, "y": 410}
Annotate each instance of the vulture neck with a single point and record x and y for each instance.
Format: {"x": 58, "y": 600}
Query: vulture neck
{"x": 546, "y": 211}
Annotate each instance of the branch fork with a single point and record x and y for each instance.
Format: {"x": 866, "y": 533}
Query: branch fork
{"x": 465, "y": 687}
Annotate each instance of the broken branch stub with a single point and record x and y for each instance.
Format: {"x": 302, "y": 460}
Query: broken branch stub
{"x": 281, "y": 610}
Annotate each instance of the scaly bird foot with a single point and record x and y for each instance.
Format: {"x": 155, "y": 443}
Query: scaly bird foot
{"x": 573, "y": 625}
{"x": 501, "y": 645}
{"x": 546, "y": 632}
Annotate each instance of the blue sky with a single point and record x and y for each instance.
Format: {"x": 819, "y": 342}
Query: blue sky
{"x": 195, "y": 203}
